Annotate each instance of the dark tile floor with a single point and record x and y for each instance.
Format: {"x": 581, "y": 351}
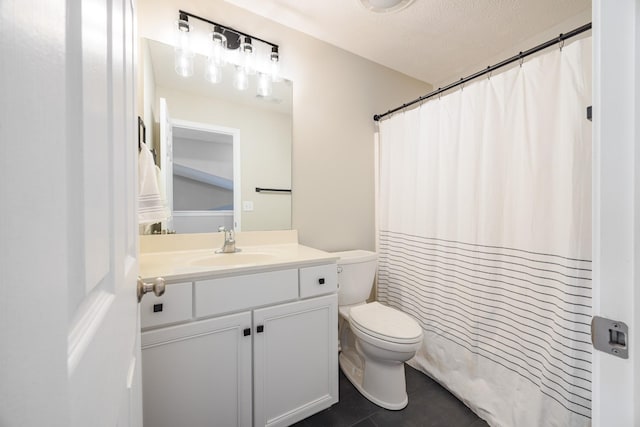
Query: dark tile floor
{"x": 430, "y": 405}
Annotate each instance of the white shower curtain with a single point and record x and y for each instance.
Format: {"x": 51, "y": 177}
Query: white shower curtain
{"x": 484, "y": 211}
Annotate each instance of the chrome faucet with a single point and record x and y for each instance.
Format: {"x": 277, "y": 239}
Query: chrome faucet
{"x": 229, "y": 245}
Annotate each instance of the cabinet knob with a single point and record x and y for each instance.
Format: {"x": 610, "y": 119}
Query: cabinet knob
{"x": 246, "y": 332}
{"x": 321, "y": 280}
{"x": 157, "y": 287}
{"x": 260, "y": 329}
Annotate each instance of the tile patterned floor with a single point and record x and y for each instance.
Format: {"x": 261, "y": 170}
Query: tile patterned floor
{"x": 430, "y": 405}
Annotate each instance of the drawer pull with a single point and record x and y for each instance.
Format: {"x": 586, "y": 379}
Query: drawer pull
{"x": 157, "y": 308}
{"x": 321, "y": 280}
{"x": 260, "y": 329}
{"x": 246, "y": 332}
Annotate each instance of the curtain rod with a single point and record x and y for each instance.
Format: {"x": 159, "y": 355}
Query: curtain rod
{"x": 489, "y": 69}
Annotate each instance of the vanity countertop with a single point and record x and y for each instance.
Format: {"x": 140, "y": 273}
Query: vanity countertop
{"x": 192, "y": 256}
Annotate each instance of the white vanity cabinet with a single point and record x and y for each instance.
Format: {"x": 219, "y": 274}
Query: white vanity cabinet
{"x": 198, "y": 372}
{"x": 254, "y": 350}
{"x": 295, "y": 360}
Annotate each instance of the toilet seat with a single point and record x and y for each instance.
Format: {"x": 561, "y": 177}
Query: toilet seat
{"x": 385, "y": 323}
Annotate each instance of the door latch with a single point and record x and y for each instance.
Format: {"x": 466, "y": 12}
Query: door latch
{"x": 610, "y": 336}
{"x": 157, "y": 287}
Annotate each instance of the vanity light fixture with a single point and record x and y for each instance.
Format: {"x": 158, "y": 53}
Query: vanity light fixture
{"x": 226, "y": 45}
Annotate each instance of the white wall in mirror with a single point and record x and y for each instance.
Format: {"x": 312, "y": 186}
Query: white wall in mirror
{"x": 264, "y": 125}
{"x": 202, "y": 170}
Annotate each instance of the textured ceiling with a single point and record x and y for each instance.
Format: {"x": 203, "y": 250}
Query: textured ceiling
{"x": 431, "y": 40}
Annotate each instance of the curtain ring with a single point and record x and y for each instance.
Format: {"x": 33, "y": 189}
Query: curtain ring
{"x": 521, "y": 59}
{"x": 561, "y": 42}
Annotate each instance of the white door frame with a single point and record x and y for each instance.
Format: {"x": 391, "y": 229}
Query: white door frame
{"x": 237, "y": 188}
{"x": 616, "y": 204}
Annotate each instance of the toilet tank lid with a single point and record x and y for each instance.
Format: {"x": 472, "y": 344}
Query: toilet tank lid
{"x": 355, "y": 256}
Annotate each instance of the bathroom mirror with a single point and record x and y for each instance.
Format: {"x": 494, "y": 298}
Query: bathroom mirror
{"x": 214, "y": 141}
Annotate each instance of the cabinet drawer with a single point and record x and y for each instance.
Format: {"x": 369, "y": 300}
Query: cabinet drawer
{"x": 172, "y": 307}
{"x": 229, "y": 294}
{"x": 319, "y": 280}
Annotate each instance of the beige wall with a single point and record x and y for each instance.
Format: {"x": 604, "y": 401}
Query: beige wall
{"x": 335, "y": 95}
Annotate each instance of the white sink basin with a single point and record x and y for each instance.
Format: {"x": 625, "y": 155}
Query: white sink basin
{"x": 237, "y": 258}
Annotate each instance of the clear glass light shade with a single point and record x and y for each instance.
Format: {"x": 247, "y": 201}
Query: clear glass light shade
{"x": 275, "y": 71}
{"x": 264, "y": 85}
{"x": 218, "y": 49}
{"x": 183, "y": 33}
{"x": 183, "y": 52}
{"x": 274, "y": 65}
{"x": 213, "y": 71}
{"x": 184, "y": 63}
{"x": 247, "y": 56}
{"x": 240, "y": 79}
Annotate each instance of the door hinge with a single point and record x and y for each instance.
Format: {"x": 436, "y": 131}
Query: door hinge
{"x": 610, "y": 336}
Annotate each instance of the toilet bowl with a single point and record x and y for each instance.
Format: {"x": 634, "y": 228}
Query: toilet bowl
{"x": 375, "y": 340}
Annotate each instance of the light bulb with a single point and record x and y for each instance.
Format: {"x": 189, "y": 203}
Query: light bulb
{"x": 264, "y": 85}
{"x": 240, "y": 79}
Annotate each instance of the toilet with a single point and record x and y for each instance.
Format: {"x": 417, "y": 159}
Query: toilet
{"x": 375, "y": 340}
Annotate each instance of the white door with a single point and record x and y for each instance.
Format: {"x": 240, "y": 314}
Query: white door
{"x": 166, "y": 159}
{"x": 616, "y": 179}
{"x": 68, "y": 264}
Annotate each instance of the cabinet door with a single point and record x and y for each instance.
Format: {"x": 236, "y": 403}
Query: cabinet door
{"x": 295, "y": 360}
{"x": 198, "y": 374}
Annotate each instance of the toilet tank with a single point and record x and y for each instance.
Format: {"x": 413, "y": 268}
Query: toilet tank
{"x": 356, "y": 271}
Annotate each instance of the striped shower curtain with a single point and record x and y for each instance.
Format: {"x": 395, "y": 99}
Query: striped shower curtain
{"x": 484, "y": 235}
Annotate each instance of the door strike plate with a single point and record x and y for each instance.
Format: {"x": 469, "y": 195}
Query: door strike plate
{"x": 610, "y": 336}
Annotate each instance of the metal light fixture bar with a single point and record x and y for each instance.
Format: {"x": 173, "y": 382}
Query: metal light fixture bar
{"x": 233, "y": 30}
